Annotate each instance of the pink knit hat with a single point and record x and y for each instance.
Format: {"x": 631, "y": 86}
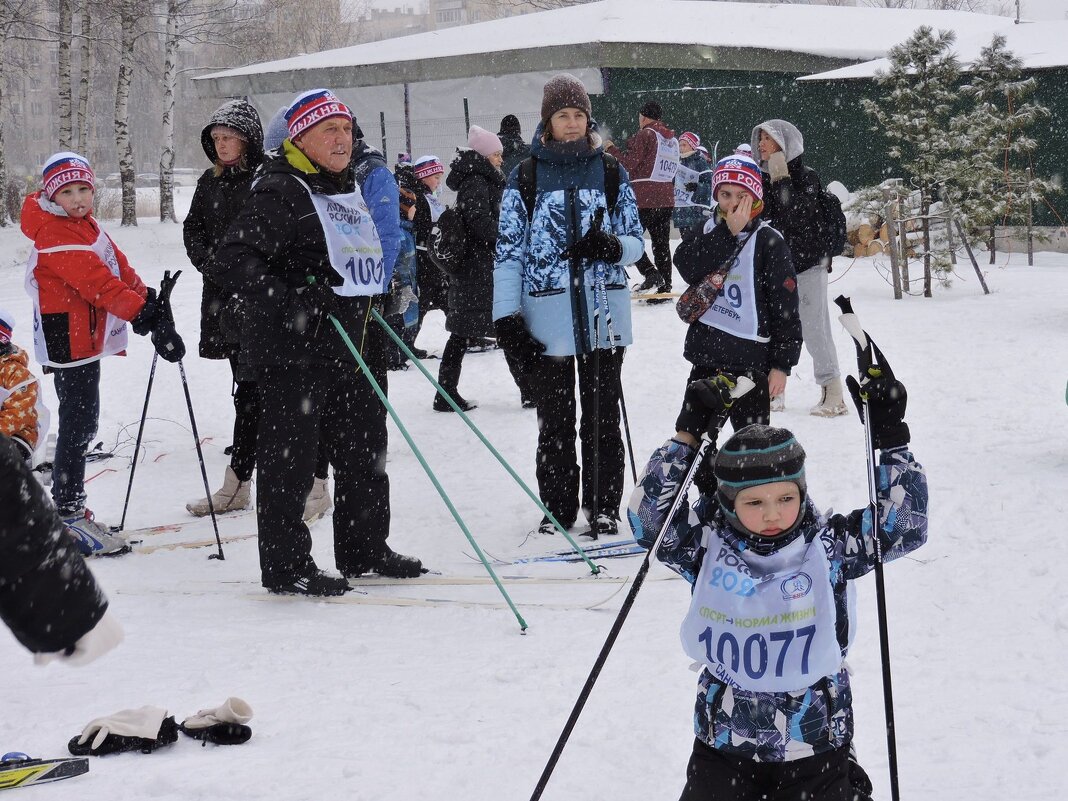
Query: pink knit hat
{"x": 482, "y": 141}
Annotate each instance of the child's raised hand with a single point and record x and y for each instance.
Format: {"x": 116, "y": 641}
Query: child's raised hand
{"x": 708, "y": 402}
{"x": 886, "y": 402}
{"x": 738, "y": 217}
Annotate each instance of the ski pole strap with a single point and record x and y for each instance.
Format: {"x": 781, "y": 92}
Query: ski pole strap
{"x": 422, "y": 461}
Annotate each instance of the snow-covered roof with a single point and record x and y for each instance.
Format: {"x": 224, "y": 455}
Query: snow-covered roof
{"x": 1039, "y": 45}
{"x": 615, "y": 33}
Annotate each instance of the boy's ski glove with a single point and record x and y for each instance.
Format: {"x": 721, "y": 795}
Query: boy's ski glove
{"x": 708, "y": 401}
{"x": 101, "y": 638}
{"x": 597, "y": 244}
{"x": 144, "y": 730}
{"x": 223, "y": 725}
{"x": 887, "y": 399}
{"x": 145, "y": 320}
{"x": 517, "y": 342}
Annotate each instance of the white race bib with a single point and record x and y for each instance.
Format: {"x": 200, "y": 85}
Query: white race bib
{"x": 770, "y": 633}
{"x": 116, "y": 336}
{"x": 684, "y": 197}
{"x": 667, "y": 160}
{"x": 436, "y": 207}
{"x": 735, "y": 310}
{"x": 352, "y": 242}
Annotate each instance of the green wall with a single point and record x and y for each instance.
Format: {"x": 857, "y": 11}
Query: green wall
{"x": 839, "y": 142}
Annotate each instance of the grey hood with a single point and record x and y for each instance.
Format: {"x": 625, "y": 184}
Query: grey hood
{"x": 785, "y": 135}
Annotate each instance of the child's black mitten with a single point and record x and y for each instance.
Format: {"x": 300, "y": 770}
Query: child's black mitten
{"x": 886, "y": 398}
{"x": 705, "y": 406}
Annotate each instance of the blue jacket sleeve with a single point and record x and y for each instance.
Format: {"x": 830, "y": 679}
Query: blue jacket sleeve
{"x": 383, "y": 199}
{"x": 902, "y": 495}
{"x": 651, "y": 502}
{"x": 625, "y": 222}
{"x": 511, "y": 251}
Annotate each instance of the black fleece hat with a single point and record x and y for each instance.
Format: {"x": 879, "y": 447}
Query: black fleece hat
{"x": 510, "y": 125}
{"x": 652, "y": 110}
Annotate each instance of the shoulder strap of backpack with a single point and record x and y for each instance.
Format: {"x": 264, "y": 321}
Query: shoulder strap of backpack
{"x": 611, "y": 181}
{"x": 528, "y": 185}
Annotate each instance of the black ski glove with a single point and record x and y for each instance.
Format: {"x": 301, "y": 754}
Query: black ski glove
{"x": 597, "y": 244}
{"x": 516, "y": 341}
{"x": 308, "y": 306}
{"x": 706, "y": 405}
{"x": 145, "y": 320}
{"x": 166, "y": 341}
{"x": 887, "y": 399}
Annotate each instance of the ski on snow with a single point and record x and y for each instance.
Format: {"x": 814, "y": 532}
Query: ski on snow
{"x": 19, "y": 770}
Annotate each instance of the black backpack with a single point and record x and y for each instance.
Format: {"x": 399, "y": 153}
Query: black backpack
{"x": 528, "y": 183}
{"x": 446, "y": 242}
{"x": 831, "y": 224}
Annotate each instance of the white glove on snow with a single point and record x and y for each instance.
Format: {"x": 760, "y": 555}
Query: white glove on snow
{"x": 96, "y": 642}
{"x": 233, "y": 710}
{"x": 777, "y": 168}
{"x": 144, "y": 722}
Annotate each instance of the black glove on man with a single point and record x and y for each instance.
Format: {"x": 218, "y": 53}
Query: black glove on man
{"x": 597, "y": 244}
{"x": 516, "y": 341}
{"x": 705, "y": 406}
{"x": 309, "y": 305}
{"x": 887, "y": 399}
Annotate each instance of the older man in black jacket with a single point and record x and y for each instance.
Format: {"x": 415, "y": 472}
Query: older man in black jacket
{"x": 303, "y": 250}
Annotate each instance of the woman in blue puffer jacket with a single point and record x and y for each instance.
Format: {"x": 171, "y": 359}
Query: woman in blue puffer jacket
{"x": 561, "y": 302}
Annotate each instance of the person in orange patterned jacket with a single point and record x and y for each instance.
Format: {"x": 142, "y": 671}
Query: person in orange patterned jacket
{"x": 84, "y": 292}
{"x": 19, "y": 392}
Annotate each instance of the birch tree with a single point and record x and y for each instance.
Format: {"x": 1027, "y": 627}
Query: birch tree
{"x": 170, "y": 71}
{"x": 66, "y": 36}
{"x": 85, "y": 33}
{"x": 128, "y": 29}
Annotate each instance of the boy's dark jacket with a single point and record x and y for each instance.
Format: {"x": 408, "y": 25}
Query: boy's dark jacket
{"x": 776, "y": 287}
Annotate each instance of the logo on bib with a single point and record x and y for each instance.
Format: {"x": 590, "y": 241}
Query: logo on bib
{"x": 796, "y": 587}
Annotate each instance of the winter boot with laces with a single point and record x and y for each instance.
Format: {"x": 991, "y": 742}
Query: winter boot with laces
{"x": 831, "y": 402}
{"x": 314, "y": 582}
{"x": 235, "y": 495}
{"x": 319, "y": 501}
{"x": 93, "y": 538}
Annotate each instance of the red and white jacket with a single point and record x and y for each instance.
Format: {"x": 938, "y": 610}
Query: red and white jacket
{"x": 83, "y": 288}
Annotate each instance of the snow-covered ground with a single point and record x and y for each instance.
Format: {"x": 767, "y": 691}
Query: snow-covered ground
{"x": 371, "y": 701}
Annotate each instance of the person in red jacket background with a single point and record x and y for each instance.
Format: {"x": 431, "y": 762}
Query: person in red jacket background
{"x": 652, "y": 159}
{"x": 84, "y": 292}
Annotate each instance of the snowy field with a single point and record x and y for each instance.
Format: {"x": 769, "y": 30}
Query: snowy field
{"x": 370, "y": 701}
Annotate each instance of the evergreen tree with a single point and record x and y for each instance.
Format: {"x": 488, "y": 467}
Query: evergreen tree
{"x": 995, "y": 181}
{"x": 914, "y": 114}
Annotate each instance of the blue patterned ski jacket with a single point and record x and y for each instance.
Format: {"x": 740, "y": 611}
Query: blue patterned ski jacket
{"x": 765, "y": 726}
{"x": 529, "y": 276}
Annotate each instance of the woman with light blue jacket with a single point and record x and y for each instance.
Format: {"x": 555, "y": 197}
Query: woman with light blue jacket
{"x": 568, "y": 228}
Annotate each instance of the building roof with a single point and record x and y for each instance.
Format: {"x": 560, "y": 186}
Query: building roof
{"x": 693, "y": 34}
{"x": 1039, "y": 45}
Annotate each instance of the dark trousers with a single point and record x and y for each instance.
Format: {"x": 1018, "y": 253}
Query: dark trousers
{"x": 452, "y": 362}
{"x": 553, "y": 381}
{"x": 246, "y": 424}
{"x": 297, "y": 407}
{"x": 714, "y": 776}
{"x": 658, "y": 223}
{"x": 78, "y": 389}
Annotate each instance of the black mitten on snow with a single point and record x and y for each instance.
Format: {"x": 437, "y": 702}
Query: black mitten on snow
{"x": 705, "y": 406}
{"x": 220, "y": 733}
{"x": 517, "y": 342}
{"x": 887, "y": 399}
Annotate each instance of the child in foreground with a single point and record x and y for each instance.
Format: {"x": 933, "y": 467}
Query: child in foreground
{"x": 771, "y": 614}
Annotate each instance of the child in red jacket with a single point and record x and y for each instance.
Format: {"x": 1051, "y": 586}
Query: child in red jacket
{"x": 84, "y": 292}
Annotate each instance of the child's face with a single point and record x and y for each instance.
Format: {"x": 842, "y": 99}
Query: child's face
{"x": 767, "y": 145}
{"x": 768, "y": 509}
{"x": 432, "y": 182}
{"x": 75, "y": 199}
{"x": 729, "y": 196}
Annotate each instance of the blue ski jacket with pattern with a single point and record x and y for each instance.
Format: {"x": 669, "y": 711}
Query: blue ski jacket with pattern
{"x": 780, "y": 726}
{"x": 530, "y": 276}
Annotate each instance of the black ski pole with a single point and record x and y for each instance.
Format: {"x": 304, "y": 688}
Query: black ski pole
{"x": 137, "y": 443}
{"x": 743, "y": 385}
{"x": 869, "y": 359}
